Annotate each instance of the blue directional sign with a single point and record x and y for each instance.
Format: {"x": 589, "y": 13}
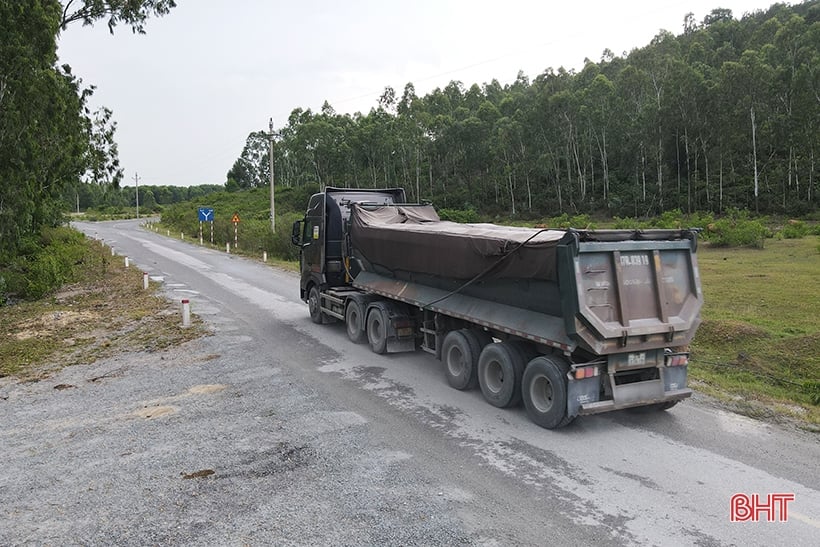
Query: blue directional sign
{"x": 206, "y": 214}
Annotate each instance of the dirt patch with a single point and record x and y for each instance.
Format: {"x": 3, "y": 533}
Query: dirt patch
{"x": 207, "y": 388}
{"x": 51, "y": 322}
{"x": 151, "y": 412}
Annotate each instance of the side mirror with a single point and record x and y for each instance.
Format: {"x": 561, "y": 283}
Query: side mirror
{"x": 296, "y": 233}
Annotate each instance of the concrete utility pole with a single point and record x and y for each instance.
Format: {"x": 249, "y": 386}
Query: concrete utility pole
{"x": 137, "y": 183}
{"x": 272, "y": 209}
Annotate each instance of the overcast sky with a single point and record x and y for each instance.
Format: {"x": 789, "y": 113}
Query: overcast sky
{"x": 186, "y": 94}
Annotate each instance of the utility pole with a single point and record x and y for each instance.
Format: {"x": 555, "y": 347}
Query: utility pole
{"x": 137, "y": 183}
{"x": 272, "y": 210}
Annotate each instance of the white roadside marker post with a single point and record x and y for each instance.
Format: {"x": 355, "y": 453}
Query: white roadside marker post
{"x": 126, "y": 261}
{"x": 264, "y": 256}
{"x": 186, "y": 313}
{"x": 144, "y": 281}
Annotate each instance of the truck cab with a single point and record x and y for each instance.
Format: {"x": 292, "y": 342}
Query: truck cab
{"x": 320, "y": 236}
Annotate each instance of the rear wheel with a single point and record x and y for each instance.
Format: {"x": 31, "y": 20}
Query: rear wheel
{"x": 354, "y": 321}
{"x": 459, "y": 353}
{"x": 500, "y": 368}
{"x": 377, "y": 330}
{"x": 544, "y": 390}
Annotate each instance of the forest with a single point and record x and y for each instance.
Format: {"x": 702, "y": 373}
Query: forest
{"x": 721, "y": 116}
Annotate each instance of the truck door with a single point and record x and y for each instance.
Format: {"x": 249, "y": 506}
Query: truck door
{"x": 313, "y": 241}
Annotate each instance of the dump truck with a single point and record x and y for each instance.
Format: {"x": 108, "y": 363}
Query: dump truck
{"x": 570, "y": 322}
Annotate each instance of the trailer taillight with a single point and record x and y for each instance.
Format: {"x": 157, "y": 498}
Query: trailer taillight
{"x": 677, "y": 360}
{"x": 586, "y": 372}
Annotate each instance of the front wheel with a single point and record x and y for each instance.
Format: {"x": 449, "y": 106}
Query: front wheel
{"x": 544, "y": 390}
{"x": 314, "y": 305}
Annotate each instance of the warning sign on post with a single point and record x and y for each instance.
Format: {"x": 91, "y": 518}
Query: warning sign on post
{"x": 235, "y": 218}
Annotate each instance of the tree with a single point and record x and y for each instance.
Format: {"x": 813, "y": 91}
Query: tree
{"x": 131, "y": 12}
{"x": 252, "y": 168}
{"x": 102, "y": 158}
{"x": 48, "y": 138}
{"x": 43, "y": 133}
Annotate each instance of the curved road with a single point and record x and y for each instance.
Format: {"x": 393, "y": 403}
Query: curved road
{"x": 483, "y": 475}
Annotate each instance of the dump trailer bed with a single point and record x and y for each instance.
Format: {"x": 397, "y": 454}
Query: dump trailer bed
{"x": 603, "y": 291}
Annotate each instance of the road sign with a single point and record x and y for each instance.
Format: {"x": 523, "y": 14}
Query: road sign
{"x": 235, "y": 218}
{"x": 206, "y": 214}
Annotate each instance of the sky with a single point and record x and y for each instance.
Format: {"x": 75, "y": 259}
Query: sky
{"x": 186, "y": 94}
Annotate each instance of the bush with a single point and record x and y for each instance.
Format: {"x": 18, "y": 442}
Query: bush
{"x": 736, "y": 229}
{"x": 794, "y": 229}
{"x": 459, "y": 215}
{"x": 564, "y": 221}
{"x": 44, "y": 264}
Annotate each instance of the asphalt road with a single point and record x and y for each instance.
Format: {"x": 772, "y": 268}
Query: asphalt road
{"x": 278, "y": 431}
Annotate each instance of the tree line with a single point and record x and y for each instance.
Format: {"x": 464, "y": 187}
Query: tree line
{"x": 723, "y": 115}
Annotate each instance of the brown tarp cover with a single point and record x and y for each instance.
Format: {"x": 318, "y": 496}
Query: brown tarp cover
{"x": 414, "y": 239}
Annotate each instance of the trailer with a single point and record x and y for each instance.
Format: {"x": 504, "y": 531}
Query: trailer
{"x": 569, "y": 322}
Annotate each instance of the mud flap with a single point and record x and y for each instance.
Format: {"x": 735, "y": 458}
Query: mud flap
{"x": 674, "y": 378}
{"x": 581, "y": 392}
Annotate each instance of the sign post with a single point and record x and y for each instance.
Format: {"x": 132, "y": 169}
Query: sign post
{"x": 206, "y": 214}
{"x": 235, "y": 220}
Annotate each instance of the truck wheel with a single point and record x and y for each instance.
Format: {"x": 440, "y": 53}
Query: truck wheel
{"x": 544, "y": 390}
{"x": 482, "y": 338}
{"x": 460, "y": 352}
{"x": 377, "y": 330}
{"x": 500, "y": 368}
{"x": 355, "y": 322}
{"x": 314, "y": 305}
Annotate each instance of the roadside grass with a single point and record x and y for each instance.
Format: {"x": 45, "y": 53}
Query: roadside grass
{"x": 758, "y": 347}
{"x": 105, "y": 312}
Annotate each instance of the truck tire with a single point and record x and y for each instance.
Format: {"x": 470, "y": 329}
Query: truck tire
{"x": 314, "y": 305}
{"x": 459, "y": 353}
{"x": 482, "y": 338}
{"x": 354, "y": 321}
{"x": 544, "y": 390}
{"x": 377, "y": 330}
{"x": 500, "y": 369}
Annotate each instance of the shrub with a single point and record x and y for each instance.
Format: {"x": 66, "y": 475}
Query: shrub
{"x": 44, "y": 264}
{"x": 736, "y": 229}
{"x": 564, "y": 221}
{"x": 669, "y": 220}
{"x": 459, "y": 215}
{"x": 794, "y": 229}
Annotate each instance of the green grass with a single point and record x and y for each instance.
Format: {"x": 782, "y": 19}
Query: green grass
{"x": 760, "y": 337}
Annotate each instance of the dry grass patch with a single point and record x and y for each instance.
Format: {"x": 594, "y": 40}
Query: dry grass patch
{"x": 105, "y": 313}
